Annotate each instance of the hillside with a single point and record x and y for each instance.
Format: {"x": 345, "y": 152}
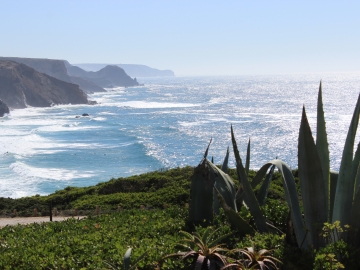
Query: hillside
{"x": 22, "y": 86}
{"x": 109, "y": 76}
{"x": 131, "y": 69}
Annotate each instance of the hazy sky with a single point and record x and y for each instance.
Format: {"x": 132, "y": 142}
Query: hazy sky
{"x": 189, "y": 37}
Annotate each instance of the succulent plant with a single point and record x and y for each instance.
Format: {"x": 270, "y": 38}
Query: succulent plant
{"x": 253, "y": 259}
{"x": 328, "y": 196}
{"x": 204, "y": 251}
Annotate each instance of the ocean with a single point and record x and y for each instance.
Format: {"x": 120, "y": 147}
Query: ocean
{"x": 168, "y": 123}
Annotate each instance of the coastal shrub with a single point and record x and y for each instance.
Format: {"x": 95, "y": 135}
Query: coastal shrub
{"x": 87, "y": 243}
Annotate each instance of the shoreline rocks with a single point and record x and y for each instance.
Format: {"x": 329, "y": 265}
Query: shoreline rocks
{"x": 4, "y": 109}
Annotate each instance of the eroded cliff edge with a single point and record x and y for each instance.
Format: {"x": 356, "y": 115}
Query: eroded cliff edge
{"x": 22, "y": 86}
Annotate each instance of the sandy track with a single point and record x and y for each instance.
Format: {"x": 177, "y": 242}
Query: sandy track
{"x": 29, "y": 220}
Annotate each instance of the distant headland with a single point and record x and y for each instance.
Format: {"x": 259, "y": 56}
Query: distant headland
{"x": 131, "y": 69}
{"x": 34, "y": 82}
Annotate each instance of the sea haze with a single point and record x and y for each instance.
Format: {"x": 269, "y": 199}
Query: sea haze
{"x": 165, "y": 124}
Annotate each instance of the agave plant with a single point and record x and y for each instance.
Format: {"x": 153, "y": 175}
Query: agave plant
{"x": 203, "y": 200}
{"x": 253, "y": 259}
{"x": 326, "y": 196}
{"x": 203, "y": 251}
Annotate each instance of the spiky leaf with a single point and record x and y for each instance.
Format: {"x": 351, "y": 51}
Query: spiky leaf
{"x": 333, "y": 183}
{"x": 355, "y": 169}
{"x": 291, "y": 196}
{"x": 224, "y": 184}
{"x": 249, "y": 195}
{"x": 312, "y": 184}
{"x": 345, "y": 185}
{"x": 322, "y": 145}
{"x": 263, "y": 191}
{"x": 247, "y": 164}
{"x": 225, "y": 165}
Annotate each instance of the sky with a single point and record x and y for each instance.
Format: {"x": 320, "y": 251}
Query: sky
{"x": 192, "y": 38}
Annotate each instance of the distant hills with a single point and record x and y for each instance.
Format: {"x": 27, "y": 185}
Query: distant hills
{"x": 131, "y": 69}
{"x": 38, "y": 82}
{"x": 107, "y": 77}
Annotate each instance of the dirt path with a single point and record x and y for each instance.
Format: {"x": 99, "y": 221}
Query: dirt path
{"x": 28, "y": 220}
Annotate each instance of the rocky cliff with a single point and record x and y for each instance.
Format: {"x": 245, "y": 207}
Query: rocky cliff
{"x": 109, "y": 76}
{"x": 22, "y": 86}
{"x": 58, "y": 70}
{"x": 51, "y": 67}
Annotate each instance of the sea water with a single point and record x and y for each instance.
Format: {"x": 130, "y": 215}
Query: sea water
{"x": 167, "y": 123}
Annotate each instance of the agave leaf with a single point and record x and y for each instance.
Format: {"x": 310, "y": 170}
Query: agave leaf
{"x": 234, "y": 218}
{"x": 224, "y": 184}
{"x": 201, "y": 195}
{"x": 355, "y": 219}
{"x": 249, "y": 195}
{"x": 354, "y": 169}
{"x": 127, "y": 259}
{"x": 263, "y": 191}
{"x": 357, "y": 181}
{"x": 333, "y": 183}
{"x": 291, "y": 196}
{"x": 225, "y": 165}
{"x": 312, "y": 184}
{"x": 345, "y": 185}
{"x": 207, "y": 149}
{"x": 322, "y": 145}
{"x": 247, "y": 163}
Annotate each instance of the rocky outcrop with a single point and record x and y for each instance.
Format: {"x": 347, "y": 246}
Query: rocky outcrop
{"x": 3, "y": 108}
{"x": 109, "y": 76}
{"x": 51, "y": 67}
{"x": 131, "y": 69}
{"x": 22, "y": 86}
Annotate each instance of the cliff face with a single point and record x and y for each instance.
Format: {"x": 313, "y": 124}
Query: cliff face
{"x": 109, "y": 76}
{"x": 51, "y": 67}
{"x": 22, "y": 86}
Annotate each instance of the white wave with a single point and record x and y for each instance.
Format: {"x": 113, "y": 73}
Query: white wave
{"x": 107, "y": 113}
{"x": 66, "y": 127}
{"x": 189, "y": 124}
{"x": 28, "y": 172}
{"x": 153, "y": 105}
{"x": 116, "y": 89}
{"x": 98, "y": 118}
